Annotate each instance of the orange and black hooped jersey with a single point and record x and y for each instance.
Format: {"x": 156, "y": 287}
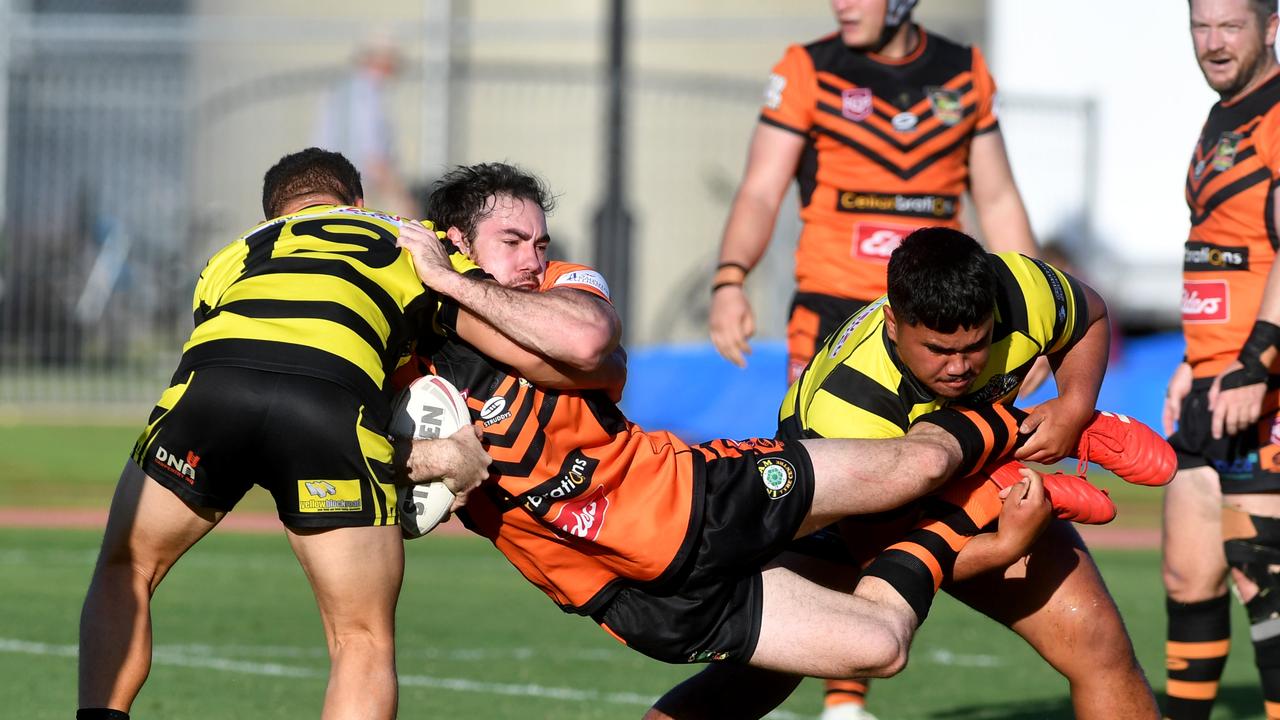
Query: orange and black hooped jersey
{"x": 1231, "y": 189}
{"x": 323, "y": 292}
{"x": 887, "y": 150}
{"x": 579, "y": 497}
{"x": 857, "y": 386}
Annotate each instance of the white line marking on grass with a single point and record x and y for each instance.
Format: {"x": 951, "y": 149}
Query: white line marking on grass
{"x": 946, "y": 657}
{"x": 173, "y": 656}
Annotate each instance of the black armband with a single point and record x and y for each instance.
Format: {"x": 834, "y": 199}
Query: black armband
{"x": 1262, "y": 338}
{"x": 447, "y": 316}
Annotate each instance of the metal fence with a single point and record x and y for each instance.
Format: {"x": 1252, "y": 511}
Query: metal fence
{"x": 135, "y": 143}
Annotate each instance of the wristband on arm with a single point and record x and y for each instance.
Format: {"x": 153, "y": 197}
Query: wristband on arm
{"x": 729, "y": 274}
{"x": 1262, "y": 338}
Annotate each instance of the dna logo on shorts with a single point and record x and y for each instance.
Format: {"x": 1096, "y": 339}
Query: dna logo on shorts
{"x": 184, "y": 468}
{"x": 779, "y": 476}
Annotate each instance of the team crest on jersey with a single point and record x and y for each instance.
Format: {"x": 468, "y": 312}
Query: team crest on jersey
{"x": 1000, "y": 385}
{"x": 778, "y": 475}
{"x": 855, "y": 103}
{"x": 946, "y": 105}
{"x": 1224, "y": 153}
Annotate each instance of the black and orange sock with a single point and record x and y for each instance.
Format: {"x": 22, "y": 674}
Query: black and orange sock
{"x": 986, "y": 433}
{"x": 845, "y": 692}
{"x": 917, "y": 565}
{"x": 1199, "y": 639}
{"x": 1266, "y": 653}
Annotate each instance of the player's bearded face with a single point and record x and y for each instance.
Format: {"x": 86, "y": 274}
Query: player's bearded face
{"x": 1231, "y": 45}
{"x": 946, "y": 363}
{"x": 511, "y": 243}
{"x": 861, "y": 21}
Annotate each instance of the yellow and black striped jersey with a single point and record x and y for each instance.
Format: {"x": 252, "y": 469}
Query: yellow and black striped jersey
{"x": 856, "y": 385}
{"x": 323, "y": 292}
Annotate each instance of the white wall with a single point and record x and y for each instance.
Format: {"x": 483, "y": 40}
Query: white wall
{"x": 1134, "y": 59}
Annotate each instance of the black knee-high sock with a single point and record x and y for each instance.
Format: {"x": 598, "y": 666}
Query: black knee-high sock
{"x": 917, "y": 565}
{"x": 1199, "y": 639}
{"x": 986, "y": 433}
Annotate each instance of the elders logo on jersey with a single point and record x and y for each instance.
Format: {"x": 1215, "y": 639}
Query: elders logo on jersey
{"x": 856, "y": 103}
{"x": 1205, "y": 301}
{"x": 877, "y": 241}
{"x": 583, "y": 517}
{"x": 779, "y": 476}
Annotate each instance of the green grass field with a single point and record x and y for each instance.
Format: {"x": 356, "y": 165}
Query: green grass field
{"x": 237, "y": 634}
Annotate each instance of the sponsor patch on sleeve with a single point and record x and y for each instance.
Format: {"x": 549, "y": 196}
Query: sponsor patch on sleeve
{"x": 590, "y": 278}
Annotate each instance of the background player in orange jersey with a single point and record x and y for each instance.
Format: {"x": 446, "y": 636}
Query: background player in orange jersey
{"x": 1223, "y": 397}
{"x": 884, "y": 126}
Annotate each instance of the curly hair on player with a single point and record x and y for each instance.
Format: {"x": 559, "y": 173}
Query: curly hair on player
{"x": 942, "y": 278}
{"x": 467, "y": 194}
{"x": 312, "y": 171}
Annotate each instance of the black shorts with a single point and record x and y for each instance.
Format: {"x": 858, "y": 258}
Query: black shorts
{"x": 813, "y": 317}
{"x": 757, "y": 493}
{"x": 1247, "y": 462}
{"x": 222, "y": 430}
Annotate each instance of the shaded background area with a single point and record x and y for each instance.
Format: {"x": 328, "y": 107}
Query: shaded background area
{"x": 134, "y": 133}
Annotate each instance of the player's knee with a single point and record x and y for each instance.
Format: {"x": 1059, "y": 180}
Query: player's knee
{"x": 929, "y": 462}
{"x": 1188, "y": 582}
{"x": 882, "y": 653}
{"x": 361, "y": 640}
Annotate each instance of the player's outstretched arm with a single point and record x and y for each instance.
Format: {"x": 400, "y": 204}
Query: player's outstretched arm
{"x": 1055, "y": 425}
{"x": 771, "y": 163}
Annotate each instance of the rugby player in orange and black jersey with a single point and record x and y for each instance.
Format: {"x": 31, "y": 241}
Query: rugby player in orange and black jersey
{"x": 1223, "y": 397}
{"x": 881, "y": 141}
{"x": 583, "y": 502}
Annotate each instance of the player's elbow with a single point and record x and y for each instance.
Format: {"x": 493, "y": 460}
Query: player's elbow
{"x": 591, "y": 345}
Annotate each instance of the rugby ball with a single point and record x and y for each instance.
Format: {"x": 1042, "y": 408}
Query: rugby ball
{"x": 429, "y": 408}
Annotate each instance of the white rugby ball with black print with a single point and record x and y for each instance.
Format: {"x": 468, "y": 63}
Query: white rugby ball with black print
{"x": 429, "y": 408}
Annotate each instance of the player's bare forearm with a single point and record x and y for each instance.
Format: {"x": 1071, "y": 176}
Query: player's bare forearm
{"x": 996, "y": 200}
{"x": 1055, "y": 425}
{"x": 567, "y": 326}
{"x": 771, "y": 163}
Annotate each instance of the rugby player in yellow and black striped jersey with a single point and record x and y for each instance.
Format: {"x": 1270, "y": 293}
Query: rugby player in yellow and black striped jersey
{"x": 858, "y": 384}
{"x": 285, "y": 383}
{"x": 960, "y": 325}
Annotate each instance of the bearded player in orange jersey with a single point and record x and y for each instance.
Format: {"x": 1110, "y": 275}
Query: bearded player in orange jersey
{"x": 1222, "y": 398}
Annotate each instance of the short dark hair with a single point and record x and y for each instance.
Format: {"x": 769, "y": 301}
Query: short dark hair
{"x": 309, "y": 172}
{"x": 1262, "y": 9}
{"x": 463, "y": 197}
{"x": 942, "y": 278}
